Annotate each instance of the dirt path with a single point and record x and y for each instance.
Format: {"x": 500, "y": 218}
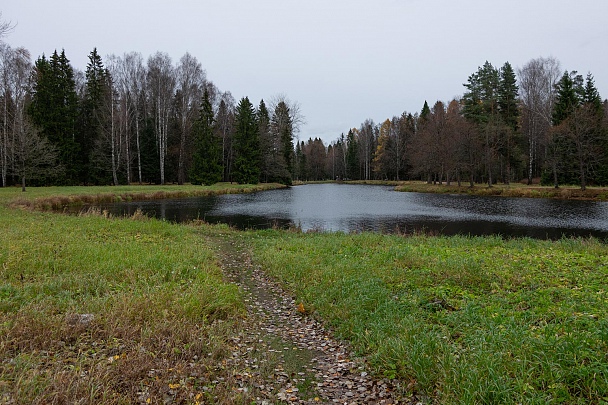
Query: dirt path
{"x": 285, "y": 356}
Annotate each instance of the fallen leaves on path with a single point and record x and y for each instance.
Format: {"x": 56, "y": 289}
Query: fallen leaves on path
{"x": 284, "y": 355}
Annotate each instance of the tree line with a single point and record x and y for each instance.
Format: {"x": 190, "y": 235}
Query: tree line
{"x": 539, "y": 124}
{"x": 127, "y": 120}
{"x": 130, "y": 120}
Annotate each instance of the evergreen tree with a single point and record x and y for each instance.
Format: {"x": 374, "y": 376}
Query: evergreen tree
{"x": 591, "y": 95}
{"x": 507, "y": 97}
{"x": 352, "y": 156}
{"x": 150, "y": 169}
{"x": 300, "y": 162}
{"x": 481, "y": 98}
{"x": 508, "y": 108}
{"x": 206, "y": 167}
{"x": 92, "y": 119}
{"x": 282, "y": 130}
{"x": 246, "y": 145}
{"x": 224, "y": 130}
{"x": 572, "y": 139}
{"x": 481, "y": 107}
{"x": 425, "y": 112}
{"x": 267, "y": 146}
{"x": 54, "y": 109}
{"x": 569, "y": 96}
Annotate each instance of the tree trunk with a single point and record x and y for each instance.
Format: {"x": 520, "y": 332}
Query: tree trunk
{"x": 113, "y": 140}
{"x": 555, "y": 183}
{"x": 138, "y": 149}
{"x": 581, "y": 166}
{"x": 530, "y": 161}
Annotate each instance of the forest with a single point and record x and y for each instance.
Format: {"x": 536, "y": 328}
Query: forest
{"x": 129, "y": 120}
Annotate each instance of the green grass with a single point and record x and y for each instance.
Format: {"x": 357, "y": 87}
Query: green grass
{"x": 454, "y": 319}
{"x": 157, "y": 313}
{"x": 461, "y": 320}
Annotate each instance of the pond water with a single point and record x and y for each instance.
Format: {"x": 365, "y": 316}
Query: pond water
{"x": 356, "y": 208}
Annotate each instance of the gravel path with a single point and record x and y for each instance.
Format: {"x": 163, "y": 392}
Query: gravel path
{"x": 286, "y": 356}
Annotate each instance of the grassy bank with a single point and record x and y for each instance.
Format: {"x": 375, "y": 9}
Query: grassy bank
{"x": 511, "y": 190}
{"x": 98, "y": 310}
{"x": 56, "y": 198}
{"x": 461, "y": 320}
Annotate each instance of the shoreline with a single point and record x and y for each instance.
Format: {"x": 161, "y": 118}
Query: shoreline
{"x": 515, "y": 190}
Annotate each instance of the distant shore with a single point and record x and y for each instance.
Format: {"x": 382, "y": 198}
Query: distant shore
{"x": 502, "y": 190}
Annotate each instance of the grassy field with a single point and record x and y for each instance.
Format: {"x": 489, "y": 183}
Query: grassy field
{"x": 109, "y": 310}
{"x": 457, "y": 319}
{"x": 113, "y": 311}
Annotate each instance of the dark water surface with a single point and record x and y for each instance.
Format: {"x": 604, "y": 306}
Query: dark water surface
{"x": 355, "y": 208}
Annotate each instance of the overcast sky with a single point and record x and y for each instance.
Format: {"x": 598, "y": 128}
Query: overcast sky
{"x": 342, "y": 61}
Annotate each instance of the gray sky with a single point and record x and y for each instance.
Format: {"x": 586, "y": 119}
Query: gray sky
{"x": 342, "y": 61}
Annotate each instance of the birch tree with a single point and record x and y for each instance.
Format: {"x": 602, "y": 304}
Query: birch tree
{"x": 190, "y": 79}
{"x": 134, "y": 73}
{"x": 128, "y": 74}
{"x": 224, "y": 129}
{"x": 161, "y": 87}
{"x": 5, "y": 27}
{"x": 15, "y": 70}
{"x": 537, "y": 81}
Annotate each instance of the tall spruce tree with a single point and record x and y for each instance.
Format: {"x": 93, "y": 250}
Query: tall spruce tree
{"x": 566, "y": 151}
{"x": 282, "y": 130}
{"x": 267, "y": 146}
{"x": 508, "y": 97}
{"x": 569, "y": 96}
{"x": 352, "y": 156}
{"x": 508, "y": 108}
{"x": 480, "y": 107}
{"x": 54, "y": 109}
{"x": 591, "y": 95}
{"x": 424, "y": 113}
{"x": 481, "y": 98}
{"x": 92, "y": 119}
{"x": 206, "y": 159}
{"x": 246, "y": 145}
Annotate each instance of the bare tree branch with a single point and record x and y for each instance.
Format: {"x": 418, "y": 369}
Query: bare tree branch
{"x": 5, "y": 27}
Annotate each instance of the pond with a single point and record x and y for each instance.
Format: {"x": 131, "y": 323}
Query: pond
{"x": 356, "y": 208}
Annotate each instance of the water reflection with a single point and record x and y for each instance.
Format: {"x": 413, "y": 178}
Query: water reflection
{"x": 356, "y": 208}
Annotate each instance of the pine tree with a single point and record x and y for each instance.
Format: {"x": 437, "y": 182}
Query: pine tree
{"x": 481, "y": 98}
{"x": 246, "y": 145}
{"x": 507, "y": 96}
{"x": 206, "y": 167}
{"x": 480, "y": 107}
